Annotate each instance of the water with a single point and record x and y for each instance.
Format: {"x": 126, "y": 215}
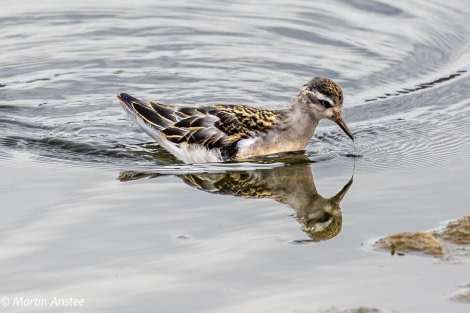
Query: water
{"x": 92, "y": 209}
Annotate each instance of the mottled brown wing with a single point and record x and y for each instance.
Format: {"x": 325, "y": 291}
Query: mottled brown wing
{"x": 218, "y": 125}
{"x": 246, "y": 120}
{"x": 214, "y": 127}
{"x": 198, "y": 126}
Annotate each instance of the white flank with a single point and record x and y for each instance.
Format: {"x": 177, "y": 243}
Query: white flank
{"x": 199, "y": 154}
{"x": 246, "y": 145}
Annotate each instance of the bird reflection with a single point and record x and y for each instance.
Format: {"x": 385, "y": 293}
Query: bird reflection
{"x": 319, "y": 217}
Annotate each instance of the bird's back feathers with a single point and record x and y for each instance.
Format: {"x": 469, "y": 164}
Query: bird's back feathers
{"x": 218, "y": 127}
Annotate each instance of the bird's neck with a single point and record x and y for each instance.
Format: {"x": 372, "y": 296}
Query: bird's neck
{"x": 300, "y": 123}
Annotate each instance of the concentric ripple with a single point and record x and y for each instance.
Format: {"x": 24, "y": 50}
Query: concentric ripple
{"x": 429, "y": 131}
{"x": 58, "y": 100}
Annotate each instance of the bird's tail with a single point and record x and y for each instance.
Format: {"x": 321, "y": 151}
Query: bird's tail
{"x": 146, "y": 114}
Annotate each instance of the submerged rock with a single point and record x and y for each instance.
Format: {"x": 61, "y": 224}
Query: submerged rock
{"x": 463, "y": 295}
{"x": 451, "y": 240}
{"x": 456, "y": 232}
{"x": 411, "y": 242}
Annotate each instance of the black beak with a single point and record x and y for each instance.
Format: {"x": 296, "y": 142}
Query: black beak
{"x": 339, "y": 120}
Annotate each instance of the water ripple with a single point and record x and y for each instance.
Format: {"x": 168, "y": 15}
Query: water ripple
{"x": 58, "y": 99}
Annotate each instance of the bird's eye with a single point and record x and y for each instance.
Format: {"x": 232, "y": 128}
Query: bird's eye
{"x": 325, "y": 104}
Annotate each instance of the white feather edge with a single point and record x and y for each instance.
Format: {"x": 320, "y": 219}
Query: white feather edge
{"x": 187, "y": 153}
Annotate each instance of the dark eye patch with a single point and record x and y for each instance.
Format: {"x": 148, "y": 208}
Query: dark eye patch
{"x": 325, "y": 104}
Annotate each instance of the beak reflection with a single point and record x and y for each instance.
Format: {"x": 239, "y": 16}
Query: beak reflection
{"x": 319, "y": 217}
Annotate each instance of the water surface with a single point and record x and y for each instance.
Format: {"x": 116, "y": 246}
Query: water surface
{"x": 93, "y": 209}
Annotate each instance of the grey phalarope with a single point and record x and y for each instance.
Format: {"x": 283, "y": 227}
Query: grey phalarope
{"x": 230, "y": 132}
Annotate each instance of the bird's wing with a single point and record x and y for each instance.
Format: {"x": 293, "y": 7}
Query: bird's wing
{"x": 215, "y": 126}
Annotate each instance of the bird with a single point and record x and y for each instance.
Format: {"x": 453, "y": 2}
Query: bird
{"x": 235, "y": 132}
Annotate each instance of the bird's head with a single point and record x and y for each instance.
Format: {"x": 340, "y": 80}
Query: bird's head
{"x": 325, "y": 99}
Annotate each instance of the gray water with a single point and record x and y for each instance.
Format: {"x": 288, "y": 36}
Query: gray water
{"x": 94, "y": 211}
